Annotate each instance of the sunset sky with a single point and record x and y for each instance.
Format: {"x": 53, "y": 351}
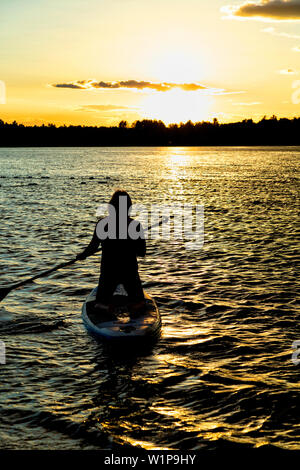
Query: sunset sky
{"x": 96, "y": 62}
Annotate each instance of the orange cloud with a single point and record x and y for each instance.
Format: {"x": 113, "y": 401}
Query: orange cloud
{"x": 132, "y": 84}
{"x": 266, "y": 9}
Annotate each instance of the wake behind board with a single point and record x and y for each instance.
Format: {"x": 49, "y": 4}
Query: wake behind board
{"x": 126, "y": 324}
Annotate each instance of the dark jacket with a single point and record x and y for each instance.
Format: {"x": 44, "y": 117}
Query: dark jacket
{"x": 118, "y": 255}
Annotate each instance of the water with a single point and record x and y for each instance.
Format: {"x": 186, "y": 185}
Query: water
{"x": 222, "y": 371}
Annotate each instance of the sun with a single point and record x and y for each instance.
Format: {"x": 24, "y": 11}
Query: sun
{"x": 177, "y": 106}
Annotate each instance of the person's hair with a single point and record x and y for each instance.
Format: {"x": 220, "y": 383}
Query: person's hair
{"x": 115, "y": 199}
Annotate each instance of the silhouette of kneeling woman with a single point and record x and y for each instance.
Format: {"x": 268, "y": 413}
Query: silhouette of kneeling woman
{"x": 122, "y": 240}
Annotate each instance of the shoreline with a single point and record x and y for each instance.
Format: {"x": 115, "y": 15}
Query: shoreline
{"x": 267, "y": 146}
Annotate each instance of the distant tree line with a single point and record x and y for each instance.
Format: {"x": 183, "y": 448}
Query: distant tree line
{"x": 271, "y": 131}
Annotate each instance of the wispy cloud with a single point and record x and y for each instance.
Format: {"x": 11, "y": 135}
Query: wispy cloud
{"x": 288, "y": 72}
{"x": 282, "y": 34}
{"x": 132, "y": 84}
{"x": 136, "y": 85}
{"x": 273, "y": 31}
{"x": 265, "y": 10}
{"x": 103, "y": 107}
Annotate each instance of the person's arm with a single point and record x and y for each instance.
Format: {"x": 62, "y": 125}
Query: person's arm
{"x": 91, "y": 248}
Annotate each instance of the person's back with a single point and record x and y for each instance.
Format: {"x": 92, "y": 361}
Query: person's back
{"x": 122, "y": 240}
{"x": 121, "y": 254}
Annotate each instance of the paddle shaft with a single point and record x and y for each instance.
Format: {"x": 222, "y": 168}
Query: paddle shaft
{"x": 5, "y": 290}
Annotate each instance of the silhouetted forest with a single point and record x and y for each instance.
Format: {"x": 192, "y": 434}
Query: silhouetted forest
{"x": 271, "y": 131}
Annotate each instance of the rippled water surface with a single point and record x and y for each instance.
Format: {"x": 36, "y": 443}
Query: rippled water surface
{"x": 222, "y": 371}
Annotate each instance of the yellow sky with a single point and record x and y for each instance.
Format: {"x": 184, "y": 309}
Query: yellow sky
{"x": 96, "y": 62}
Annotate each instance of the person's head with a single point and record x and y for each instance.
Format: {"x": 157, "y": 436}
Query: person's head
{"x": 120, "y": 200}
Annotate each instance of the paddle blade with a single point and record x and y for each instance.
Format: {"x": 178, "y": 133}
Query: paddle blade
{"x": 4, "y": 291}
